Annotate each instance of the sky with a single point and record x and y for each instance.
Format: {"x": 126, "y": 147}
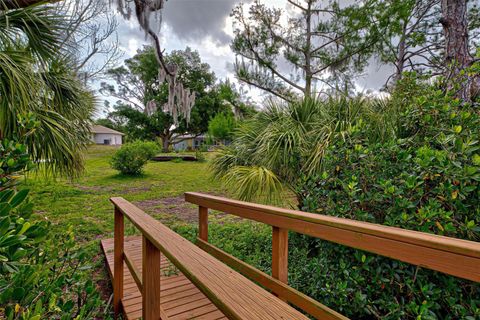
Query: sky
{"x": 206, "y": 26}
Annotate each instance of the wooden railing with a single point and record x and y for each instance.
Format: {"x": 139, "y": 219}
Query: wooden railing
{"x": 230, "y": 292}
{"x": 451, "y": 256}
{"x": 149, "y": 281}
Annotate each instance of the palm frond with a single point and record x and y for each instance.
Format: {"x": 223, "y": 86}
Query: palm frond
{"x": 286, "y": 141}
{"x": 37, "y": 28}
{"x": 254, "y": 183}
{"x": 36, "y": 81}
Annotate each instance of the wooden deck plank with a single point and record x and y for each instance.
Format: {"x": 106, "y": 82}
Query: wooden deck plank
{"x": 179, "y": 297}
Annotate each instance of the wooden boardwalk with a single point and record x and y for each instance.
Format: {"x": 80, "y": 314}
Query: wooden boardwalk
{"x": 180, "y": 299}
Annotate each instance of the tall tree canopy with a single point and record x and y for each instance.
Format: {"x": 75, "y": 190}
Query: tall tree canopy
{"x": 314, "y": 44}
{"x": 416, "y": 37}
{"x": 290, "y": 55}
{"x": 138, "y": 83}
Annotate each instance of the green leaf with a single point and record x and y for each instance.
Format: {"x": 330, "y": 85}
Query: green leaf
{"x": 5, "y": 208}
{"x": 20, "y": 253}
{"x": 18, "y": 293}
{"x": 476, "y": 159}
{"x": 6, "y": 195}
{"x": 4, "y": 225}
{"x": 25, "y": 227}
{"x": 19, "y": 197}
{"x": 11, "y": 240}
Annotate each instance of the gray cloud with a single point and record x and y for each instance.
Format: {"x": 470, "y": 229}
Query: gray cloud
{"x": 375, "y": 75}
{"x": 194, "y": 19}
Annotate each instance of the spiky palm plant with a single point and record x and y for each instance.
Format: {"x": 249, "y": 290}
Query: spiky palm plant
{"x": 36, "y": 81}
{"x": 275, "y": 148}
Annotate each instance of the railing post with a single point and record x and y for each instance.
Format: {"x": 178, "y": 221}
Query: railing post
{"x": 150, "y": 281}
{"x": 118, "y": 262}
{"x": 280, "y": 254}
{"x": 203, "y": 223}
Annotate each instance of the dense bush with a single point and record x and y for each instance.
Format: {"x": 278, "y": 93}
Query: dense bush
{"x": 221, "y": 127}
{"x": 425, "y": 179}
{"x": 131, "y": 157}
{"x": 42, "y": 274}
{"x": 410, "y": 161}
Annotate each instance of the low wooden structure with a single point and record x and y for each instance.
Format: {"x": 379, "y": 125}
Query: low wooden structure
{"x": 172, "y": 157}
{"x": 211, "y": 284}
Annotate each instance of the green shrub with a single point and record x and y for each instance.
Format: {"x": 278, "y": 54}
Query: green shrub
{"x": 412, "y": 161}
{"x": 42, "y": 274}
{"x": 221, "y": 127}
{"x": 285, "y": 139}
{"x": 131, "y": 157}
{"x": 426, "y": 179}
{"x": 200, "y": 156}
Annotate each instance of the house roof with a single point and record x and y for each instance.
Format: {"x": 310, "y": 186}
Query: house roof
{"x": 101, "y": 129}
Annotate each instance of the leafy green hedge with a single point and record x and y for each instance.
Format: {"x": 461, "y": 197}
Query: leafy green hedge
{"x": 414, "y": 164}
{"x": 426, "y": 179}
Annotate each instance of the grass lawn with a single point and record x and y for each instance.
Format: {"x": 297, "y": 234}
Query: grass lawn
{"x": 84, "y": 202}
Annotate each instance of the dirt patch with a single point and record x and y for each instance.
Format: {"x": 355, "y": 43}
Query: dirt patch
{"x": 93, "y": 189}
{"x": 110, "y": 189}
{"x": 176, "y": 207}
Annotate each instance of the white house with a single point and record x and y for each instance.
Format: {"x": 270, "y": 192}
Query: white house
{"x": 188, "y": 142}
{"x": 107, "y": 136}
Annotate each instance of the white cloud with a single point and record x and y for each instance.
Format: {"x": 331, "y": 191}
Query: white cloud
{"x": 206, "y": 26}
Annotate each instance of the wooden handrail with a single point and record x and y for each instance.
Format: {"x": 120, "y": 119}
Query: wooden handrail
{"x": 228, "y": 290}
{"x": 148, "y": 282}
{"x": 452, "y": 256}
{"x": 456, "y": 257}
{"x": 137, "y": 277}
{"x": 302, "y": 301}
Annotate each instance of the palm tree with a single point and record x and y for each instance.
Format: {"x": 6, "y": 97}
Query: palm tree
{"x": 286, "y": 141}
{"x": 36, "y": 82}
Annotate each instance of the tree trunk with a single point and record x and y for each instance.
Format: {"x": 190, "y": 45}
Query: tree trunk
{"x": 457, "y": 55}
{"x": 308, "y": 49}
{"x": 165, "y": 143}
{"x": 400, "y": 63}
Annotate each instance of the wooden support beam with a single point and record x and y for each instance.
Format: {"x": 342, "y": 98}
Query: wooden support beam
{"x": 203, "y": 223}
{"x": 150, "y": 281}
{"x": 118, "y": 261}
{"x": 295, "y": 297}
{"x": 129, "y": 261}
{"x": 280, "y": 254}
